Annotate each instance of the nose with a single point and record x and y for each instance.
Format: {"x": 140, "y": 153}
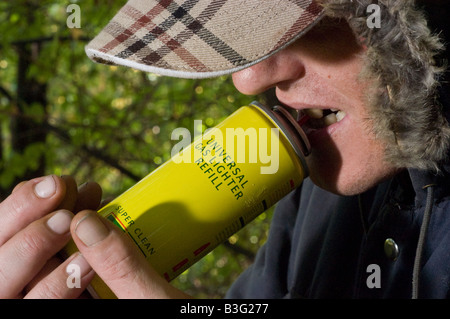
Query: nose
{"x": 279, "y": 70}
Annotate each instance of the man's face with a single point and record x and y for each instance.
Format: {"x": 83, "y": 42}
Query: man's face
{"x": 318, "y": 73}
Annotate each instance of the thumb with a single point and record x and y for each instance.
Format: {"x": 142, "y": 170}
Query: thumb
{"x": 117, "y": 260}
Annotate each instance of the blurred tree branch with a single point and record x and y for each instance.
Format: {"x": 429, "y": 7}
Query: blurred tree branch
{"x": 98, "y": 154}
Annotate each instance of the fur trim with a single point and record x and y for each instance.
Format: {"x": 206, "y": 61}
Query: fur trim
{"x": 400, "y": 60}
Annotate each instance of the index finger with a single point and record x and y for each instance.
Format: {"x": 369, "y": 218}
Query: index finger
{"x": 29, "y": 202}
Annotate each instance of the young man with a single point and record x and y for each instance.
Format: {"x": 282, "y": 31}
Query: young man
{"x": 373, "y": 219}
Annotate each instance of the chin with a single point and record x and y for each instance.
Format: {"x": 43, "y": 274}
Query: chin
{"x": 342, "y": 189}
{"x": 351, "y": 181}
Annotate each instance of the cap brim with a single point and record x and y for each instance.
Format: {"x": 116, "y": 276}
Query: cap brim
{"x": 198, "y": 38}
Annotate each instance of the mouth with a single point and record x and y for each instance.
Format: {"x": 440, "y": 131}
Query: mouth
{"x": 316, "y": 119}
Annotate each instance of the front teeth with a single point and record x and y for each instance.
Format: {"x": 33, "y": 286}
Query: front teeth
{"x": 333, "y": 118}
{"x": 340, "y": 115}
{"x": 330, "y": 119}
{"x": 318, "y": 119}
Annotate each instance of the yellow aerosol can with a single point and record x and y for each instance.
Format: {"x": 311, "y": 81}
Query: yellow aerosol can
{"x": 212, "y": 188}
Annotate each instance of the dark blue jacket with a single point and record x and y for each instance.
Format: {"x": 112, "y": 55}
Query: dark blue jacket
{"x": 324, "y": 246}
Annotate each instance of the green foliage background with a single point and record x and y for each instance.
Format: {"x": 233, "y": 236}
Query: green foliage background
{"x": 60, "y": 113}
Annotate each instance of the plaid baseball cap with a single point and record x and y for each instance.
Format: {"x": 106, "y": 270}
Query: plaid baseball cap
{"x": 201, "y": 38}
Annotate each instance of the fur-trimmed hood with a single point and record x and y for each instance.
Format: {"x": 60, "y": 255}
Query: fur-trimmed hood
{"x": 401, "y": 59}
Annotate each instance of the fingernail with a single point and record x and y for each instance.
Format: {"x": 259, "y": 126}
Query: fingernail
{"x": 78, "y": 265}
{"x": 60, "y": 222}
{"x": 91, "y": 230}
{"x": 45, "y": 188}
